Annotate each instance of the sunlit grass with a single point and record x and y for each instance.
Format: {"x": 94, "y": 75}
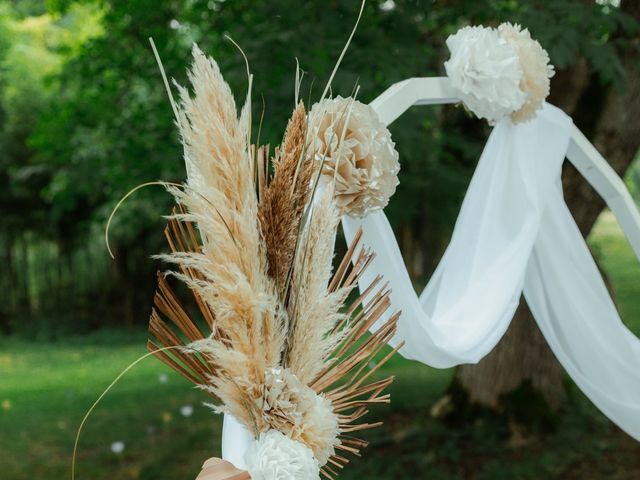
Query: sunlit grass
{"x": 621, "y": 265}
{"x": 46, "y": 389}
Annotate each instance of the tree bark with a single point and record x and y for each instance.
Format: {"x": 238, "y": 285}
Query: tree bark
{"x": 610, "y": 119}
{"x": 522, "y": 355}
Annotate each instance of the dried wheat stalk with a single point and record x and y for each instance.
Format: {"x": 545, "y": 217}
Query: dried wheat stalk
{"x": 285, "y": 197}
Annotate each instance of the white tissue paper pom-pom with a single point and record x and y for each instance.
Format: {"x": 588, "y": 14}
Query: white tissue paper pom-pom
{"x": 537, "y": 71}
{"x": 304, "y": 415}
{"x": 485, "y": 71}
{"x": 365, "y": 164}
{"x": 274, "y": 456}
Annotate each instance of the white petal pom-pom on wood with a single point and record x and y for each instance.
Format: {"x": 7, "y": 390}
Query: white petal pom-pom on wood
{"x": 485, "y": 71}
{"x": 500, "y": 72}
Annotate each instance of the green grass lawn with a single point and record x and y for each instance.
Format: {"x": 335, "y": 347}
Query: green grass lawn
{"x": 45, "y": 390}
{"x": 619, "y": 262}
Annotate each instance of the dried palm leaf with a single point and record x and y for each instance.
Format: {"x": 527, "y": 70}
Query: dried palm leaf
{"x": 345, "y": 379}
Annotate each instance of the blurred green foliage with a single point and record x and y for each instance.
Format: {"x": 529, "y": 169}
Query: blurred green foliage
{"x": 84, "y": 118}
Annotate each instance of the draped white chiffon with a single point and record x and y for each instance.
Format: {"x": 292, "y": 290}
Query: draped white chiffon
{"x": 469, "y": 301}
{"x": 574, "y": 311}
{"x": 515, "y": 233}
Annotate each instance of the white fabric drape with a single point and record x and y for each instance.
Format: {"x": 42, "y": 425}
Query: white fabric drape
{"x": 515, "y": 232}
{"x": 576, "y": 315}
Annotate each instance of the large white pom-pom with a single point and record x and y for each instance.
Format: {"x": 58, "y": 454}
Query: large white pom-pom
{"x": 364, "y": 164}
{"x": 485, "y": 71}
{"x": 536, "y": 69}
{"x": 499, "y": 72}
{"x": 302, "y": 414}
{"x": 274, "y": 456}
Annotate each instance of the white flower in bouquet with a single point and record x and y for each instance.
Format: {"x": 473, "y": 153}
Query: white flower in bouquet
{"x": 275, "y": 456}
{"x": 536, "y": 69}
{"x": 358, "y": 152}
{"x": 303, "y": 415}
{"x": 485, "y": 71}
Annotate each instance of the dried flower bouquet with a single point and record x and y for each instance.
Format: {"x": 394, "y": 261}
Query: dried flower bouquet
{"x": 283, "y": 344}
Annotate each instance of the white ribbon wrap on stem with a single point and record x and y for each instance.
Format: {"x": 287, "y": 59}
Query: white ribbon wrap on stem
{"x": 514, "y": 232}
{"x": 236, "y": 439}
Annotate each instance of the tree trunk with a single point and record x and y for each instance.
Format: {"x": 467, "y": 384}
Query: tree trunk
{"x": 521, "y": 356}
{"x": 609, "y": 118}
{"x": 9, "y": 297}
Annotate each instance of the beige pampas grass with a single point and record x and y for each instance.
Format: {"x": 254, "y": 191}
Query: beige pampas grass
{"x": 314, "y": 311}
{"x": 231, "y": 264}
{"x": 345, "y": 377}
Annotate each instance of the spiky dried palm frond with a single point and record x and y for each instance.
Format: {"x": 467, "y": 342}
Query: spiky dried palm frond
{"x": 170, "y": 324}
{"x": 345, "y": 379}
